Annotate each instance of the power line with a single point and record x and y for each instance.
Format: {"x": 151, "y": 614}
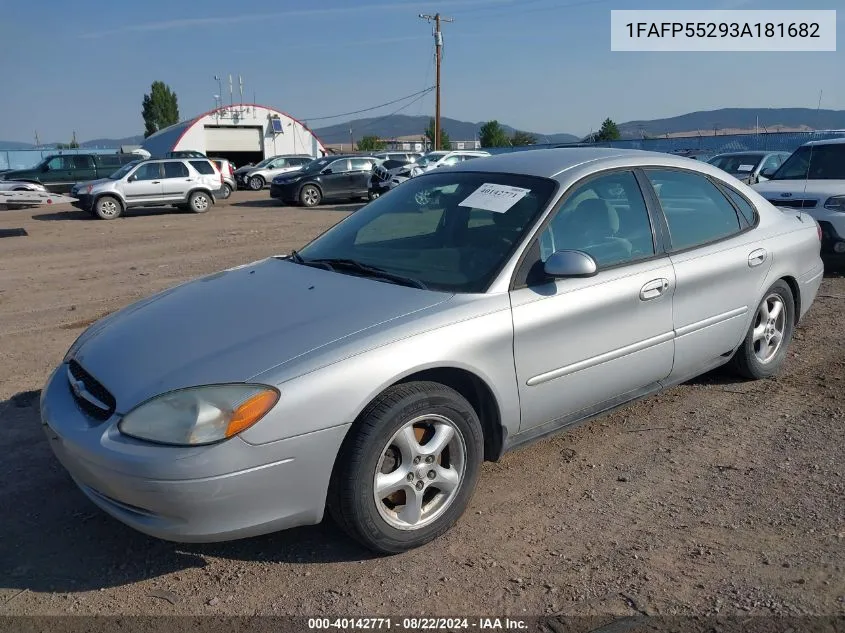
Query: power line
{"x": 521, "y": 11}
{"x": 387, "y": 116}
{"x": 337, "y": 116}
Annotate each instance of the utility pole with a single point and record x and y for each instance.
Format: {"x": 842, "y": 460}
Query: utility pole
{"x": 438, "y": 55}
{"x": 351, "y": 141}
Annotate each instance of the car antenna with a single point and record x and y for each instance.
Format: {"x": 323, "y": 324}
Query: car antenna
{"x": 812, "y": 147}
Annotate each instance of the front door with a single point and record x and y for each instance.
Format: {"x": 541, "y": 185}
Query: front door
{"x": 720, "y": 266}
{"x": 58, "y": 174}
{"x": 336, "y": 179}
{"x": 143, "y": 186}
{"x": 584, "y": 344}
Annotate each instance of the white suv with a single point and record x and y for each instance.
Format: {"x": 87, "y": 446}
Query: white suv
{"x": 812, "y": 179}
{"x": 191, "y": 184}
{"x": 445, "y": 158}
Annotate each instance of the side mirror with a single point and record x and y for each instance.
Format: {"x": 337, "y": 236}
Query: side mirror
{"x": 767, "y": 173}
{"x": 562, "y": 264}
{"x": 46, "y": 167}
{"x": 132, "y": 178}
{"x": 327, "y": 170}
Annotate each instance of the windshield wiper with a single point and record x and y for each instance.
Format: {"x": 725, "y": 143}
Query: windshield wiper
{"x": 296, "y": 258}
{"x": 333, "y": 263}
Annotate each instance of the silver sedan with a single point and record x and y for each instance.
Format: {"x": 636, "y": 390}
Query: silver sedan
{"x": 470, "y": 311}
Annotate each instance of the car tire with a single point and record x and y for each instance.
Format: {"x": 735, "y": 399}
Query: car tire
{"x": 256, "y": 183}
{"x": 108, "y": 208}
{"x": 310, "y": 196}
{"x": 199, "y": 202}
{"x": 226, "y": 191}
{"x": 766, "y": 343}
{"x": 385, "y": 442}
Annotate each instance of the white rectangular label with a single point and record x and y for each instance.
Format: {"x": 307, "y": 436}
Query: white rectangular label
{"x": 496, "y": 198}
{"x": 745, "y": 168}
{"x": 723, "y": 30}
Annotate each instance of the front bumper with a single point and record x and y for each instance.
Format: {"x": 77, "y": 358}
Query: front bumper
{"x": 83, "y": 201}
{"x": 286, "y": 193}
{"x": 212, "y": 493}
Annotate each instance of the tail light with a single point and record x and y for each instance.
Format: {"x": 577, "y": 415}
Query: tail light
{"x": 231, "y": 170}
{"x": 819, "y": 229}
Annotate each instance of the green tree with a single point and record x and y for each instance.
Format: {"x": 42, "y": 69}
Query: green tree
{"x": 609, "y": 131}
{"x": 371, "y": 144}
{"x": 445, "y": 142}
{"x": 522, "y": 138}
{"x": 492, "y": 134}
{"x": 160, "y": 108}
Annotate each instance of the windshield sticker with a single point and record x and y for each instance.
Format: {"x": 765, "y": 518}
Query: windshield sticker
{"x": 495, "y": 198}
{"x": 745, "y": 168}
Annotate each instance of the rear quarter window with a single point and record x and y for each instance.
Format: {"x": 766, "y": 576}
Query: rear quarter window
{"x": 203, "y": 166}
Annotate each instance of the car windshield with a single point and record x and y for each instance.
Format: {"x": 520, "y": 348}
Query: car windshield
{"x": 429, "y": 158}
{"x": 737, "y": 163}
{"x": 316, "y": 165}
{"x": 445, "y": 231}
{"x": 263, "y": 163}
{"x": 814, "y": 162}
{"x": 120, "y": 173}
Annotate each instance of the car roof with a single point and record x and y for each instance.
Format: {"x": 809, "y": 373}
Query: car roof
{"x": 554, "y": 163}
{"x": 830, "y": 141}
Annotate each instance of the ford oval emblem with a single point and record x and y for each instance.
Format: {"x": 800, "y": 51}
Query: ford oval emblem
{"x": 786, "y": 195}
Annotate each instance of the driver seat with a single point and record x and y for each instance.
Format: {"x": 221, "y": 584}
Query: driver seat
{"x": 592, "y": 227}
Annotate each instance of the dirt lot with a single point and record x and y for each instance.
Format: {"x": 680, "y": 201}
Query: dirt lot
{"x": 718, "y": 496}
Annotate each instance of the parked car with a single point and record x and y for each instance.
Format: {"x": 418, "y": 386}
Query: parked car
{"x": 375, "y": 369}
{"x": 59, "y": 172}
{"x": 812, "y": 179}
{"x": 408, "y": 157}
{"x": 444, "y": 158}
{"x": 258, "y": 177}
{"x": 749, "y": 167}
{"x": 387, "y": 175}
{"x": 226, "y": 168}
{"x": 334, "y": 177}
{"x": 188, "y": 183}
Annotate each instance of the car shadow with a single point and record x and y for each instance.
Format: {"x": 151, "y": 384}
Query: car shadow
{"x": 272, "y": 203}
{"x": 53, "y": 539}
{"x": 84, "y": 215}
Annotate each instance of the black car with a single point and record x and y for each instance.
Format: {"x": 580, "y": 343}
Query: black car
{"x": 380, "y": 178}
{"x": 332, "y": 177}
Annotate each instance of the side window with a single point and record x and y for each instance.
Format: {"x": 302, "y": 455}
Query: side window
{"x": 203, "y": 167}
{"x": 175, "y": 170}
{"x": 452, "y": 160}
{"x": 58, "y": 163}
{"x": 743, "y": 205}
{"x": 361, "y": 164}
{"x": 771, "y": 163}
{"x": 82, "y": 162}
{"x": 278, "y": 163}
{"x": 339, "y": 166}
{"x": 605, "y": 217}
{"x": 695, "y": 209}
{"x": 148, "y": 171}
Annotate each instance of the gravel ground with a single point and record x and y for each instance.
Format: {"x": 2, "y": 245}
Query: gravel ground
{"x": 716, "y": 497}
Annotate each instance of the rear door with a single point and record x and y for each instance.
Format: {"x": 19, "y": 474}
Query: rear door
{"x": 720, "y": 266}
{"x": 176, "y": 181}
{"x": 360, "y": 171}
{"x": 143, "y": 186}
{"x": 83, "y": 168}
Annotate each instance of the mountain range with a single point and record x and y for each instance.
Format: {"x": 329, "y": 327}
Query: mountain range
{"x": 723, "y": 121}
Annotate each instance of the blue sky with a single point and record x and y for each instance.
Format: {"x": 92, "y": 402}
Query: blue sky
{"x": 540, "y": 65}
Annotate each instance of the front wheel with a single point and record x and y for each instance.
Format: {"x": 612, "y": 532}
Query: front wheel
{"x": 408, "y": 469}
{"x": 256, "y": 183}
{"x": 310, "y": 196}
{"x": 107, "y": 208}
{"x": 764, "y": 349}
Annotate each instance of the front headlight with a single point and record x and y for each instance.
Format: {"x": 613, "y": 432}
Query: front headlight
{"x": 836, "y": 203}
{"x": 199, "y": 415}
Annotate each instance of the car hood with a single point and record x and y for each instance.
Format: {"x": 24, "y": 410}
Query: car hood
{"x": 235, "y": 324}
{"x": 819, "y": 189}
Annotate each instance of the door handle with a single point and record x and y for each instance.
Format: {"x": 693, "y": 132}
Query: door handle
{"x": 156, "y": 182}
{"x": 757, "y": 257}
{"x": 654, "y": 289}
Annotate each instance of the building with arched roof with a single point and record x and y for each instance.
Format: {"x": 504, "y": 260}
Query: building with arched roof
{"x": 243, "y": 133}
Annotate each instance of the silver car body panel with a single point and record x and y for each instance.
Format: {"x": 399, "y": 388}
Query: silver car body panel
{"x": 548, "y": 355}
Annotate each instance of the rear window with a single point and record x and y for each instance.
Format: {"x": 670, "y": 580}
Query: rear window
{"x": 203, "y": 167}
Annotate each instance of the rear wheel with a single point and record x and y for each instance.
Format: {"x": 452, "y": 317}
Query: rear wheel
{"x": 226, "y": 191}
{"x": 256, "y": 183}
{"x": 408, "y": 469}
{"x": 310, "y": 196}
{"x": 199, "y": 202}
{"x": 107, "y": 208}
{"x": 764, "y": 349}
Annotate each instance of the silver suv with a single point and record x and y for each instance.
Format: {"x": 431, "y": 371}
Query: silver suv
{"x": 188, "y": 183}
{"x": 258, "y": 177}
